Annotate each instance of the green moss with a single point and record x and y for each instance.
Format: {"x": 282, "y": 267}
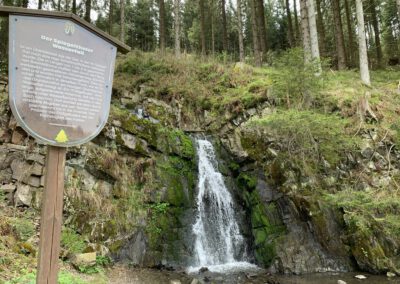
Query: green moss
{"x": 174, "y": 141}
{"x": 248, "y": 181}
{"x": 267, "y": 228}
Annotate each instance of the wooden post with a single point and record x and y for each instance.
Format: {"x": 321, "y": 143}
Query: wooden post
{"x": 51, "y": 217}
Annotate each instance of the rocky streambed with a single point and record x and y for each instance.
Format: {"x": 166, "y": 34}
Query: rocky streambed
{"x": 126, "y": 275}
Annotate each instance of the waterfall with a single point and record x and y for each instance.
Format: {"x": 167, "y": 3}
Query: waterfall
{"x": 217, "y": 234}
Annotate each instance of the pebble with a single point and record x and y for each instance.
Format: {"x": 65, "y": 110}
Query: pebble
{"x": 360, "y": 277}
{"x": 341, "y": 282}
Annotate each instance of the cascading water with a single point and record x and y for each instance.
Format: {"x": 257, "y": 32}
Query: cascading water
{"x": 217, "y": 234}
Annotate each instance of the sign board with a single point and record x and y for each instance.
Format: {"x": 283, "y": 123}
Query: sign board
{"x": 60, "y": 79}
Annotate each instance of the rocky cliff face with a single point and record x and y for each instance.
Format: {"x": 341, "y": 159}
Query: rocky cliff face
{"x": 314, "y": 199}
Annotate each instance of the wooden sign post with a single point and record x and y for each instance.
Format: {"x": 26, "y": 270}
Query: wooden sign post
{"x": 51, "y": 218}
{"x": 60, "y": 79}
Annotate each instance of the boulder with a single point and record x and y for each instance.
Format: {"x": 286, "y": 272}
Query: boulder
{"x": 87, "y": 180}
{"x": 84, "y": 259}
{"x": 36, "y": 157}
{"x": 36, "y": 169}
{"x": 18, "y": 136}
{"x": 8, "y": 188}
{"x": 129, "y": 140}
{"x": 33, "y": 181}
{"x": 23, "y": 195}
{"x": 20, "y": 169}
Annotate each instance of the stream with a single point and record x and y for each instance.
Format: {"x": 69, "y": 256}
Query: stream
{"x": 125, "y": 275}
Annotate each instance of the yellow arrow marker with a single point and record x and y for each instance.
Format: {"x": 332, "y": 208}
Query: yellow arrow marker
{"x": 61, "y": 137}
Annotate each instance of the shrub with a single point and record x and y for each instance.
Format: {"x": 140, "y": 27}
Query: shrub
{"x": 71, "y": 241}
{"x": 294, "y": 80}
{"x": 23, "y": 228}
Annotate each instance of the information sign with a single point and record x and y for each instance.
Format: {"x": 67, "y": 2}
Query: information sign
{"x": 60, "y": 79}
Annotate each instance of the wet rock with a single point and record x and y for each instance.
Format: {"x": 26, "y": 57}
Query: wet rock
{"x": 390, "y": 274}
{"x": 84, "y": 259}
{"x": 203, "y": 269}
{"x": 361, "y": 277}
{"x": 23, "y": 195}
{"x": 341, "y": 282}
{"x": 175, "y": 282}
{"x": 195, "y": 281}
{"x": 135, "y": 249}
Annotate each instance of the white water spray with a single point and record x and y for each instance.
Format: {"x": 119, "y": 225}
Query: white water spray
{"x": 217, "y": 234}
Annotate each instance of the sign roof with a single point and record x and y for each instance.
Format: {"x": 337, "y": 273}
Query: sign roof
{"x": 7, "y": 10}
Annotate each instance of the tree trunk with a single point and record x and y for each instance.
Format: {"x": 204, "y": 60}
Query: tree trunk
{"x": 58, "y": 5}
{"x": 212, "y": 28}
{"x": 224, "y": 29}
{"x": 202, "y": 28}
{"x": 240, "y": 30}
{"x": 25, "y": 3}
{"x": 350, "y": 33}
{"x": 364, "y": 70}
{"x": 296, "y": 22}
{"x": 321, "y": 29}
{"x": 398, "y": 9}
{"x": 88, "y": 8}
{"x": 305, "y": 29}
{"x": 313, "y": 33}
{"x": 290, "y": 24}
{"x": 122, "y": 35}
{"x": 74, "y": 7}
{"x": 40, "y": 4}
{"x": 162, "y": 25}
{"x": 177, "y": 27}
{"x": 256, "y": 42}
{"x": 375, "y": 25}
{"x": 66, "y": 8}
{"x": 340, "y": 49}
{"x": 262, "y": 31}
{"x": 110, "y": 16}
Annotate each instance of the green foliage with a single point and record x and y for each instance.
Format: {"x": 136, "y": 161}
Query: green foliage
{"x": 294, "y": 80}
{"x": 24, "y": 228}
{"x": 64, "y": 277}
{"x": 103, "y": 260}
{"x": 146, "y": 66}
{"x": 248, "y": 181}
{"x": 308, "y": 137}
{"x": 155, "y": 226}
{"x": 72, "y": 241}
